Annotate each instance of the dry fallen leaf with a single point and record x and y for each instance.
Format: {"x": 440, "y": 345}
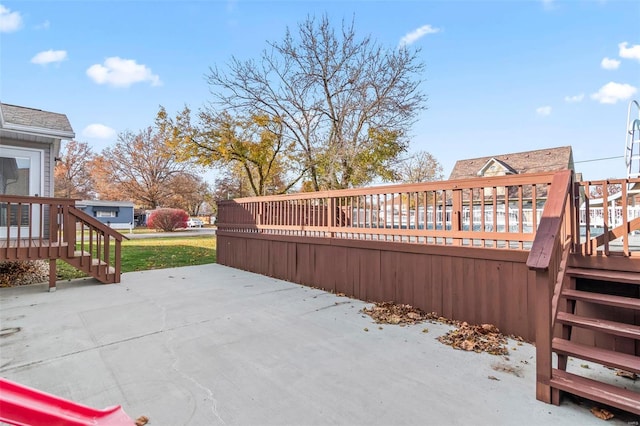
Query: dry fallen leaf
{"x": 476, "y": 338}
{"x": 142, "y": 420}
{"x": 601, "y": 413}
{"x": 493, "y": 378}
{"x": 391, "y": 313}
{"x": 627, "y": 374}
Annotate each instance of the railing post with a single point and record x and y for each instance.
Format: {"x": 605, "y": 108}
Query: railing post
{"x": 69, "y": 231}
{"x": 52, "y": 275}
{"x": 543, "y": 336}
{"x": 331, "y": 216}
{"x": 456, "y": 215}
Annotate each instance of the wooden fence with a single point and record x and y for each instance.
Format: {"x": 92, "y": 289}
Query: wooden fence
{"x": 458, "y": 248}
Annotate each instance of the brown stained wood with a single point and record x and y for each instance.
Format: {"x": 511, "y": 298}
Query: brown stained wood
{"x": 433, "y": 283}
{"x": 605, "y": 357}
{"x": 612, "y": 263}
{"x": 445, "y": 279}
{"x": 597, "y": 391}
{"x": 605, "y": 275}
{"x": 616, "y": 233}
{"x": 544, "y": 334}
{"x": 602, "y": 299}
{"x": 600, "y": 325}
{"x": 550, "y": 224}
{"x": 468, "y": 299}
{"x": 342, "y": 284}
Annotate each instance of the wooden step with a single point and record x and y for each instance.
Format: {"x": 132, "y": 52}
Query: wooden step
{"x": 605, "y": 326}
{"x": 605, "y": 357}
{"x": 605, "y": 275}
{"x": 602, "y": 299}
{"x": 604, "y": 393}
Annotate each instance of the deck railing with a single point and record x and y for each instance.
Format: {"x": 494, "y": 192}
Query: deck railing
{"x": 609, "y": 216}
{"x": 498, "y": 212}
{"x": 34, "y": 228}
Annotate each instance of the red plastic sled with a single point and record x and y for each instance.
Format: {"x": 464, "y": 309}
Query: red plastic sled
{"x": 24, "y": 406}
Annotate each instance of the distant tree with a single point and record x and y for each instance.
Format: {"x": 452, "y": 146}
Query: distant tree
{"x": 140, "y": 167}
{"x": 597, "y": 191}
{"x": 72, "y": 174}
{"x": 420, "y": 167}
{"x": 232, "y": 184}
{"x": 345, "y": 102}
{"x": 188, "y": 192}
{"x": 254, "y": 147}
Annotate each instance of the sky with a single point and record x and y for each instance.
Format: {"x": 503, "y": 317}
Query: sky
{"x": 500, "y": 76}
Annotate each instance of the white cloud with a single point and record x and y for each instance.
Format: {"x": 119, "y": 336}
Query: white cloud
{"x": 612, "y": 92}
{"x": 99, "y": 131}
{"x": 417, "y": 34}
{"x": 118, "y": 72}
{"x": 548, "y": 4}
{"x": 9, "y": 21}
{"x": 574, "y": 99}
{"x": 44, "y": 26}
{"x": 610, "y": 64}
{"x": 632, "y": 52}
{"x": 543, "y": 111}
{"x": 49, "y": 56}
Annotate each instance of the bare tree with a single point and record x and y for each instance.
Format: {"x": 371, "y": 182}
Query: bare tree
{"x": 189, "y": 192}
{"x": 346, "y": 103}
{"x": 72, "y": 174}
{"x": 420, "y": 167}
{"x": 140, "y": 167}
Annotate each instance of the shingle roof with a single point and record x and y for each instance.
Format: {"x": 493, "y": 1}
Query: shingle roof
{"x": 538, "y": 161}
{"x": 34, "y": 118}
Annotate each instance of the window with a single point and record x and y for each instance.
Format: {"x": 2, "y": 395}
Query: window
{"x": 103, "y": 213}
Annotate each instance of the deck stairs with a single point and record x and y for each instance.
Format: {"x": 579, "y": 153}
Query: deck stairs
{"x": 596, "y": 321}
{"x": 66, "y": 233}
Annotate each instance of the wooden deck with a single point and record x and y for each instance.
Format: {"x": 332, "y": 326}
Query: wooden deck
{"x": 34, "y": 228}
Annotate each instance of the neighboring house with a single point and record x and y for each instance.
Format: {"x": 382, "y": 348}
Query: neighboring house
{"x": 29, "y": 144}
{"x": 115, "y": 214}
{"x": 538, "y": 161}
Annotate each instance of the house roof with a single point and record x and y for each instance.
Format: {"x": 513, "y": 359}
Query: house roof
{"x": 538, "y": 161}
{"x": 104, "y": 203}
{"x": 502, "y": 164}
{"x": 35, "y": 121}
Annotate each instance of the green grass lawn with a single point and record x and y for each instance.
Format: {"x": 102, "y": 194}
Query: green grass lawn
{"x": 156, "y": 253}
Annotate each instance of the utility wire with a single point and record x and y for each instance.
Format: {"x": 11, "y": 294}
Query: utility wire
{"x": 599, "y": 159}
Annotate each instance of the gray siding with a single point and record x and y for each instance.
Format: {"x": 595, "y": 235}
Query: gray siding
{"x": 124, "y": 214}
{"x": 43, "y": 144}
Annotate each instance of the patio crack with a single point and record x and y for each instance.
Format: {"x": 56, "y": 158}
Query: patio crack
{"x": 174, "y": 367}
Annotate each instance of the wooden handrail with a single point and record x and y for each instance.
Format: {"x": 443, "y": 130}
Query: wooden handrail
{"x": 81, "y": 215}
{"x": 548, "y": 258}
{"x": 513, "y": 180}
{"x": 542, "y": 250}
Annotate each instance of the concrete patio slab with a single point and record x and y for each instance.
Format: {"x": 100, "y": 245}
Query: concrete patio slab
{"x": 212, "y": 345}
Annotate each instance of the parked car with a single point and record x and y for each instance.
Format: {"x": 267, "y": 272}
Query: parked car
{"x": 194, "y": 222}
